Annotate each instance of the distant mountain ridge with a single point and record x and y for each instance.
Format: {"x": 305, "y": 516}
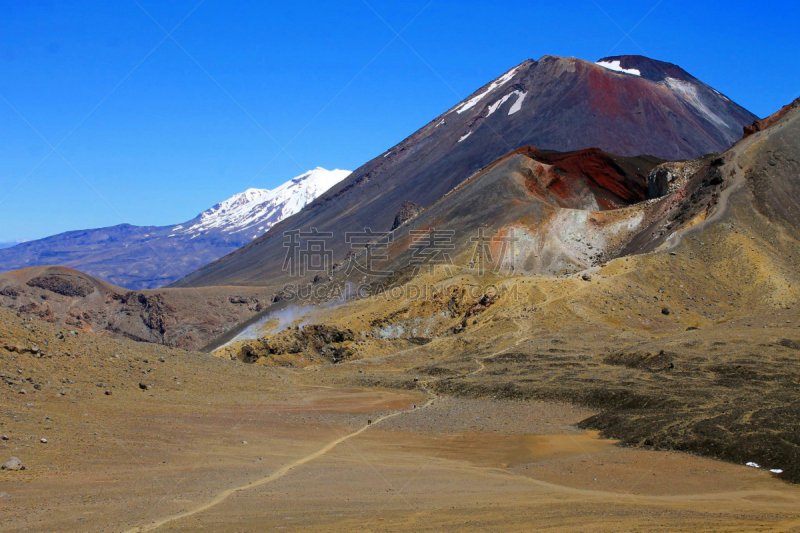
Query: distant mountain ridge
{"x": 144, "y": 257}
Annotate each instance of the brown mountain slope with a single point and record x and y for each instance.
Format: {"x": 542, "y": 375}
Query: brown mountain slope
{"x": 554, "y": 103}
{"x": 79, "y": 302}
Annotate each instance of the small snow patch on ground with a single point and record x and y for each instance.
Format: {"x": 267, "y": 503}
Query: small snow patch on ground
{"x": 514, "y": 108}
{"x": 502, "y": 80}
{"x": 720, "y": 94}
{"x": 776, "y": 470}
{"x": 753, "y": 465}
{"x": 518, "y": 104}
{"x": 616, "y": 66}
{"x": 465, "y": 136}
{"x": 495, "y": 106}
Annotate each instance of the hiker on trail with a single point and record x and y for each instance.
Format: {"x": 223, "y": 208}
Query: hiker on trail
{"x": 369, "y": 422}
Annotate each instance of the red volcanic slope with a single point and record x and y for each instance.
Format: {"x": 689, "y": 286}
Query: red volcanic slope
{"x": 615, "y": 181}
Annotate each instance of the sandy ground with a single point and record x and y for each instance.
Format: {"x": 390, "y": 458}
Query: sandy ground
{"x": 289, "y": 457}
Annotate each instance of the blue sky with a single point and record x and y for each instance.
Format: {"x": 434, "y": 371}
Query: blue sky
{"x": 151, "y": 129}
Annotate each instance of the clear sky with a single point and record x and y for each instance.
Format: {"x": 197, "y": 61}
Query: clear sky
{"x": 158, "y": 110}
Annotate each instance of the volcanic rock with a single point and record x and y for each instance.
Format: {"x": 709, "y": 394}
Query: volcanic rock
{"x": 64, "y": 283}
{"x": 13, "y": 464}
{"x": 407, "y": 211}
{"x": 762, "y": 124}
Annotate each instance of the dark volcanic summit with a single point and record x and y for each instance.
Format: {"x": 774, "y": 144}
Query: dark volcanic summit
{"x": 554, "y": 103}
{"x": 716, "y": 115}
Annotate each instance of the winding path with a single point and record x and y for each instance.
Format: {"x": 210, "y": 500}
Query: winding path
{"x": 479, "y": 361}
{"x": 224, "y": 495}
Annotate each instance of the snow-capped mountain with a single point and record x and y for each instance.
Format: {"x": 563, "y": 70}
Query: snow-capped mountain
{"x": 254, "y": 211}
{"x": 143, "y": 257}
